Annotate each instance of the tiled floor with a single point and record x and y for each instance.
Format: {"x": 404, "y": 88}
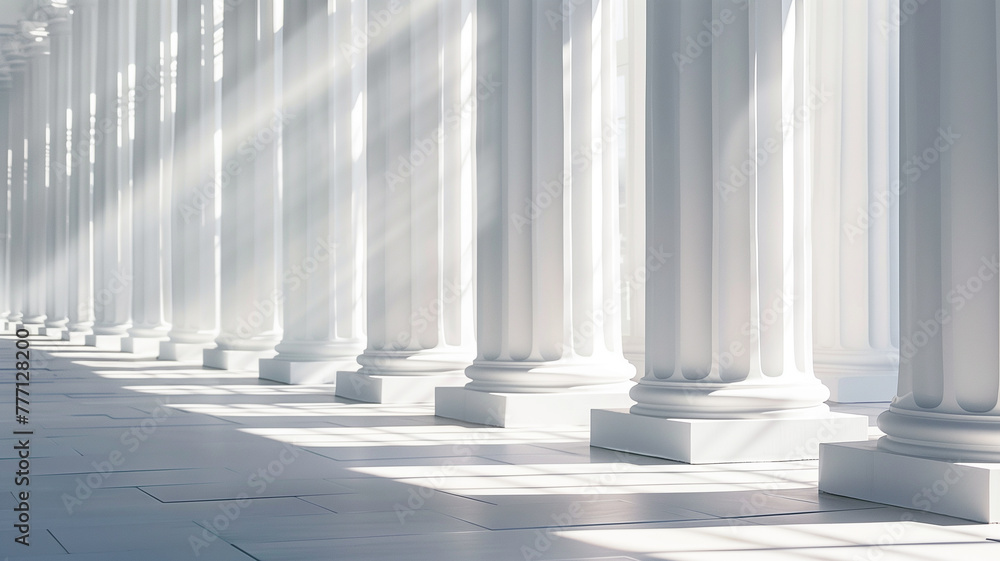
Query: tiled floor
{"x": 220, "y": 466}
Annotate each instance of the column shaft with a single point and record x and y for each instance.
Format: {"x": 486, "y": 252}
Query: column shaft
{"x": 728, "y": 316}
{"x": 855, "y": 211}
{"x": 18, "y": 243}
{"x": 251, "y": 123}
{"x": 193, "y": 222}
{"x": 57, "y": 241}
{"x": 421, "y": 215}
{"x": 152, "y": 168}
{"x": 80, "y": 303}
{"x": 113, "y": 282}
{"x": 36, "y": 183}
{"x": 6, "y": 97}
{"x": 323, "y": 196}
{"x": 943, "y": 427}
{"x": 549, "y": 333}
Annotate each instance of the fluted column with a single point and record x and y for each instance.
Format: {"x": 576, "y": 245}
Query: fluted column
{"x": 194, "y": 322}
{"x": 855, "y": 177}
{"x": 323, "y": 196}
{"x": 18, "y": 244}
{"x": 420, "y": 213}
{"x": 36, "y": 184}
{"x": 251, "y": 123}
{"x": 151, "y": 169}
{"x": 6, "y": 98}
{"x": 80, "y": 268}
{"x": 57, "y": 241}
{"x": 548, "y": 294}
{"x": 113, "y": 282}
{"x": 729, "y": 372}
{"x": 941, "y": 448}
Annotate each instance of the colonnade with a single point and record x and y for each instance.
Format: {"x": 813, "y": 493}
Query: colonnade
{"x": 419, "y": 201}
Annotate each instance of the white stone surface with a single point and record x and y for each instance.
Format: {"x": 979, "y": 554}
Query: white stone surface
{"x": 229, "y": 359}
{"x": 962, "y": 489}
{"x": 707, "y": 441}
{"x": 395, "y": 389}
{"x": 501, "y": 409}
{"x": 373, "y": 482}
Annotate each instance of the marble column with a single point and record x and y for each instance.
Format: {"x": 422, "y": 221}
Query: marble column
{"x": 941, "y": 449}
{"x": 18, "y": 209}
{"x": 421, "y": 215}
{"x": 57, "y": 212}
{"x": 548, "y": 280}
{"x": 194, "y": 321}
{"x": 113, "y": 282}
{"x": 251, "y": 124}
{"x": 37, "y": 94}
{"x": 855, "y": 178}
{"x": 729, "y": 374}
{"x": 80, "y": 266}
{"x": 6, "y": 98}
{"x": 151, "y": 168}
{"x": 323, "y": 196}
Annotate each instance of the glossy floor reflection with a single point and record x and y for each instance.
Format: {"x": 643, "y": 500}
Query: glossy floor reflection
{"x": 134, "y": 459}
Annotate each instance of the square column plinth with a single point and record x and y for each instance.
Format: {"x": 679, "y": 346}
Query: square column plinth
{"x": 186, "y": 352}
{"x": 31, "y": 328}
{"x": 524, "y": 409}
{"x": 303, "y": 371}
{"x": 860, "y": 470}
{"x": 711, "y": 441}
{"x": 148, "y": 346}
{"x": 75, "y": 337}
{"x": 399, "y": 389}
{"x": 104, "y": 342}
{"x": 227, "y": 359}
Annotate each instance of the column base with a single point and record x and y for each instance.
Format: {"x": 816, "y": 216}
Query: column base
{"x": 52, "y": 332}
{"x": 861, "y": 471}
{"x": 399, "y": 389}
{"x": 105, "y": 342}
{"x": 75, "y": 337}
{"x": 9, "y": 326}
{"x": 859, "y": 388}
{"x": 711, "y": 441}
{"x": 141, "y": 345}
{"x": 31, "y": 328}
{"x": 304, "y": 372}
{"x": 524, "y": 409}
{"x": 187, "y": 352}
{"x": 228, "y": 359}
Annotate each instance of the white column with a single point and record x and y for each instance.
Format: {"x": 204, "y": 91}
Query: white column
{"x": 728, "y": 335}
{"x": 16, "y": 135}
{"x": 151, "y": 176}
{"x": 194, "y": 321}
{"x": 855, "y": 177}
{"x": 6, "y": 99}
{"x": 80, "y": 303}
{"x": 36, "y": 184}
{"x": 941, "y": 450}
{"x": 322, "y": 200}
{"x": 113, "y": 281}
{"x": 57, "y": 240}
{"x": 251, "y": 124}
{"x": 549, "y": 335}
{"x": 421, "y": 214}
